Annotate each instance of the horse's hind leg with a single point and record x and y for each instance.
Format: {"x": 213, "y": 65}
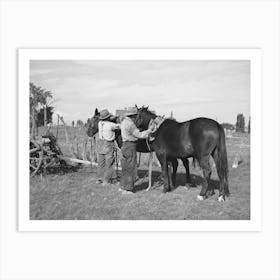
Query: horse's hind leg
{"x": 174, "y": 170}
{"x": 204, "y": 164}
{"x": 222, "y": 190}
{"x": 186, "y": 165}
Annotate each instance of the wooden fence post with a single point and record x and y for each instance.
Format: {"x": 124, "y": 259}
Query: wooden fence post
{"x": 45, "y": 115}
{"x": 71, "y": 147}
{"x": 85, "y": 149}
{"x": 33, "y": 122}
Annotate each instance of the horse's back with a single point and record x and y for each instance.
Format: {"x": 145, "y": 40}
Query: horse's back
{"x": 187, "y": 138}
{"x": 174, "y": 138}
{"x": 204, "y": 122}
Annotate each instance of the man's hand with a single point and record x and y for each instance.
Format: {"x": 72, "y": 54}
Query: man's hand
{"x": 152, "y": 129}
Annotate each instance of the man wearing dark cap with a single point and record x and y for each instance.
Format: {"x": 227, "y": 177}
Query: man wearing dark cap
{"x": 130, "y": 134}
{"x": 106, "y": 148}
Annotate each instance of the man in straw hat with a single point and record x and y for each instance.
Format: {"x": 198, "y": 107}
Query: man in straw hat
{"x": 106, "y": 148}
{"x": 130, "y": 134}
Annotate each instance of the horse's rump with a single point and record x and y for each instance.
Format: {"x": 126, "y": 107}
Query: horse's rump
{"x": 204, "y": 134}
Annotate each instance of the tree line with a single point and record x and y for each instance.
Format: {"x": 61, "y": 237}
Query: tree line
{"x": 41, "y": 112}
{"x": 40, "y": 107}
{"x": 239, "y": 125}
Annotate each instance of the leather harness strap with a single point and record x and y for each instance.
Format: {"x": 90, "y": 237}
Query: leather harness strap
{"x": 155, "y": 125}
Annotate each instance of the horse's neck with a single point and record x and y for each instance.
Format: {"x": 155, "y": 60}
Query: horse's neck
{"x": 150, "y": 117}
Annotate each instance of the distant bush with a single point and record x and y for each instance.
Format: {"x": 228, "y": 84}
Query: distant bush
{"x": 79, "y": 123}
{"x": 240, "y": 123}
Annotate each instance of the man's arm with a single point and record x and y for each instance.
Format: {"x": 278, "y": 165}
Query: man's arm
{"x": 115, "y": 126}
{"x": 139, "y": 134}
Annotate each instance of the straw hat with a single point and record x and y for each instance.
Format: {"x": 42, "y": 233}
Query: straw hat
{"x": 104, "y": 114}
{"x": 131, "y": 111}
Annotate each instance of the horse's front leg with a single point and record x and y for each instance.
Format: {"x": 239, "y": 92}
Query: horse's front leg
{"x": 169, "y": 176}
{"x": 164, "y": 168}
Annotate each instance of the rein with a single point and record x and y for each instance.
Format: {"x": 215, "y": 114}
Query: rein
{"x": 148, "y": 145}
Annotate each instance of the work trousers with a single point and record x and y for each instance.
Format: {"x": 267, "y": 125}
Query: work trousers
{"x": 106, "y": 161}
{"x": 129, "y": 165}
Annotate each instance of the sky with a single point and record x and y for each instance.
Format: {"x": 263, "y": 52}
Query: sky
{"x": 189, "y": 88}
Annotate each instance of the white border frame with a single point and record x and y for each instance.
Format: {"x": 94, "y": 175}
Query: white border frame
{"x": 254, "y": 55}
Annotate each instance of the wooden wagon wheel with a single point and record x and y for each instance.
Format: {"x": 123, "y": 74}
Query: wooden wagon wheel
{"x": 35, "y": 161}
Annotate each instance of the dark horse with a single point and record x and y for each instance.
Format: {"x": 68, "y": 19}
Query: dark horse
{"x": 142, "y": 146}
{"x": 199, "y": 138}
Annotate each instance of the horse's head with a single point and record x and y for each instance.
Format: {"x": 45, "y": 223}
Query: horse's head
{"x": 92, "y": 128}
{"x": 143, "y": 117}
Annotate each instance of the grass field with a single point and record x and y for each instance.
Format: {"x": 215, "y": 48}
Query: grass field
{"x": 74, "y": 195}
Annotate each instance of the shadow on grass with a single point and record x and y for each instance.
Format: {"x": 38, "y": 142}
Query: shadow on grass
{"x": 62, "y": 169}
{"x": 195, "y": 181}
{"x": 180, "y": 181}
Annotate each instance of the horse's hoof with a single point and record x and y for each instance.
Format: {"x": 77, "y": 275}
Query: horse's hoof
{"x": 200, "y": 197}
{"x": 221, "y": 199}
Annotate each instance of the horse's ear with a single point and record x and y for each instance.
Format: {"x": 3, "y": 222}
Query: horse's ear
{"x": 96, "y": 112}
{"x": 136, "y": 107}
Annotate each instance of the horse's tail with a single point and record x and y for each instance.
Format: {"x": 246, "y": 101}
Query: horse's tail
{"x": 221, "y": 160}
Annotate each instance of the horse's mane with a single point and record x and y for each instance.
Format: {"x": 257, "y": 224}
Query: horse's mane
{"x": 171, "y": 120}
{"x": 146, "y": 110}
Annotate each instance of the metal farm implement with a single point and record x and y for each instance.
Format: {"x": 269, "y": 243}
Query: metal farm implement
{"x": 43, "y": 154}
{"x": 46, "y": 153}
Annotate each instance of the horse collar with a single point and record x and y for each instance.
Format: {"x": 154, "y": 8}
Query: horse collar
{"x": 154, "y": 124}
